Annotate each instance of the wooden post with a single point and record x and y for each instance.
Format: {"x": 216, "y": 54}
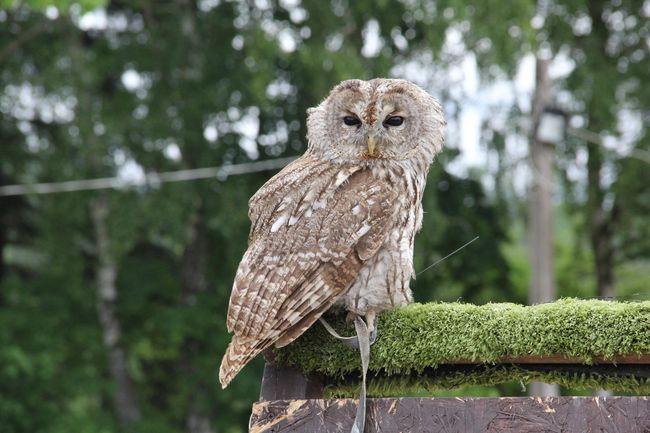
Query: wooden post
{"x": 292, "y": 402}
{"x": 542, "y": 286}
{"x": 284, "y": 383}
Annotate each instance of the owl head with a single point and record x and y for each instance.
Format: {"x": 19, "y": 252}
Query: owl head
{"x": 376, "y": 120}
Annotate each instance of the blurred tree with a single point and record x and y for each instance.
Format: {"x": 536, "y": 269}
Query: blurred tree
{"x": 608, "y": 43}
{"x": 156, "y": 86}
{"x": 183, "y": 85}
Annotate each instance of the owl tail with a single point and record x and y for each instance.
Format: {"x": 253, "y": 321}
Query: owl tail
{"x": 240, "y": 351}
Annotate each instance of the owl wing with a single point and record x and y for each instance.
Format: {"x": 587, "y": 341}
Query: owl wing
{"x": 313, "y": 226}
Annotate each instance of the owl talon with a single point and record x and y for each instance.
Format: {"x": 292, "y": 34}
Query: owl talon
{"x": 373, "y": 335}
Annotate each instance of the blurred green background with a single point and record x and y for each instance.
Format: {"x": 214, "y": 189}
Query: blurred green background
{"x": 113, "y": 301}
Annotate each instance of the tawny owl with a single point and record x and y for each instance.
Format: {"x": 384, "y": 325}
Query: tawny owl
{"x": 336, "y": 226}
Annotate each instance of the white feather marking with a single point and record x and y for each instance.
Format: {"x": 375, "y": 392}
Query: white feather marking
{"x": 283, "y": 205}
{"x": 283, "y": 271}
{"x": 278, "y": 223}
{"x": 356, "y": 210}
{"x": 341, "y": 177}
{"x": 363, "y": 230}
{"x": 319, "y": 205}
{"x": 293, "y": 220}
{"x": 294, "y": 317}
{"x": 264, "y": 303}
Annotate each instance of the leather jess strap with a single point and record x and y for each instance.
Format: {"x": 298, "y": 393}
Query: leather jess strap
{"x": 362, "y": 342}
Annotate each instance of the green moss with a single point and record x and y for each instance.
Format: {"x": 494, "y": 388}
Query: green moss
{"x": 424, "y": 336}
{"x": 486, "y": 375}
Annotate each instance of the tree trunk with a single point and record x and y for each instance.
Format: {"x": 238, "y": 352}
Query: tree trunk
{"x": 125, "y": 402}
{"x": 193, "y": 282}
{"x": 601, "y": 215}
{"x": 542, "y": 287}
{"x": 601, "y": 205}
{"x": 601, "y": 230}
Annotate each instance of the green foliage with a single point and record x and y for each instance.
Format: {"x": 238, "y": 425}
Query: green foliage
{"x": 457, "y": 210}
{"x": 422, "y": 336}
{"x": 633, "y": 193}
{"x": 62, "y": 5}
{"x": 610, "y": 63}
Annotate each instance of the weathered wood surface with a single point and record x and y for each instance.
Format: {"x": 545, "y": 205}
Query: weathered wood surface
{"x": 462, "y": 415}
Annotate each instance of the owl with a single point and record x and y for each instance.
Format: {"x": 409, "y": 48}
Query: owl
{"x": 336, "y": 226}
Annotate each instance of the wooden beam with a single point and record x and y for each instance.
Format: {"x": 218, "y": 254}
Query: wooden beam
{"x": 461, "y": 415}
{"x": 561, "y": 359}
{"x": 281, "y": 383}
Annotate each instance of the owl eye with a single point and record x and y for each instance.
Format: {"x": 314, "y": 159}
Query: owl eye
{"x": 351, "y": 120}
{"x": 394, "y": 121}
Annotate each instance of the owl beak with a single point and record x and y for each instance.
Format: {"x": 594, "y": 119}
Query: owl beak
{"x": 372, "y": 145}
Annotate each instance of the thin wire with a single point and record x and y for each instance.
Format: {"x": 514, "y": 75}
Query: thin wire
{"x": 447, "y": 256}
{"x": 220, "y": 172}
{"x": 594, "y": 137}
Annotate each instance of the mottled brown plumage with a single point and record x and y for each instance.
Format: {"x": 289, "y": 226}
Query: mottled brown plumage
{"x": 336, "y": 226}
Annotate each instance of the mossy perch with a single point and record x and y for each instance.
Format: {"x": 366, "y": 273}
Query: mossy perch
{"x": 424, "y": 336}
